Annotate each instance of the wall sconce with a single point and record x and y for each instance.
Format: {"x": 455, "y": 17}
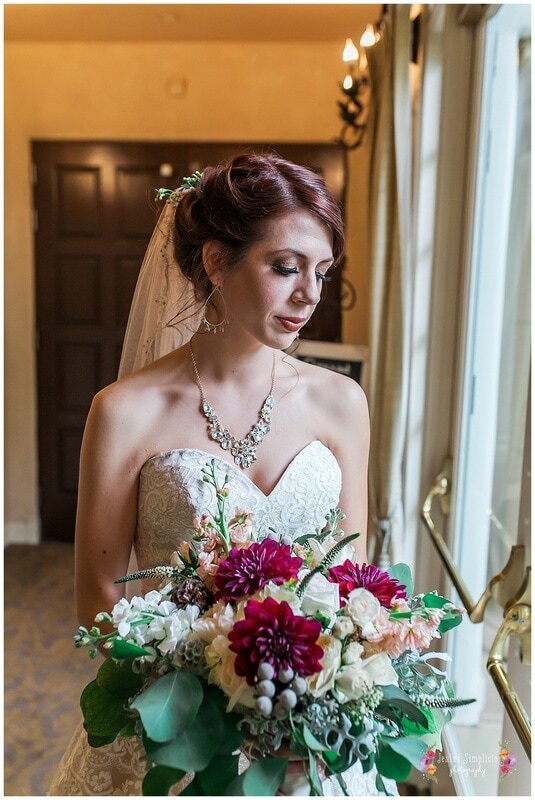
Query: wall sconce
{"x": 355, "y": 87}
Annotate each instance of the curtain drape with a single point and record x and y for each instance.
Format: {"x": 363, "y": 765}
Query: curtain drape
{"x": 390, "y": 271}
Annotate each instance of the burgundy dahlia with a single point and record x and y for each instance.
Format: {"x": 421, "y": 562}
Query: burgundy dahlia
{"x": 247, "y": 569}
{"x": 272, "y": 632}
{"x": 351, "y": 576}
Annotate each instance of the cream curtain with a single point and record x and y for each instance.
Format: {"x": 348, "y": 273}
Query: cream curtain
{"x": 390, "y": 260}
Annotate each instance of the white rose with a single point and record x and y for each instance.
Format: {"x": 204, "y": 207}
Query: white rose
{"x": 379, "y": 669}
{"x": 322, "y": 681}
{"x": 363, "y": 607}
{"x": 352, "y": 653}
{"x": 351, "y": 682}
{"x": 321, "y": 595}
{"x": 343, "y": 627}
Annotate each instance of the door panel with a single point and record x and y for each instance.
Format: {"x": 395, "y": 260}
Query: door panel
{"x": 95, "y": 212}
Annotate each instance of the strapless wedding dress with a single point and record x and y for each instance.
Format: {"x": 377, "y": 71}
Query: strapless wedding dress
{"x": 171, "y": 494}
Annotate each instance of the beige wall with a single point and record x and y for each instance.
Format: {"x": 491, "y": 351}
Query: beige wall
{"x": 278, "y": 92}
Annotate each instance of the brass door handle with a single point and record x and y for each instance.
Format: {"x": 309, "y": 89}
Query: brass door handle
{"x": 502, "y": 586}
{"x": 516, "y": 622}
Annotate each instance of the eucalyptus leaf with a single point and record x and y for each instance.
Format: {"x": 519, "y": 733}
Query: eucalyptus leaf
{"x": 195, "y": 747}
{"x": 262, "y": 778}
{"x": 395, "y": 698}
{"x": 410, "y": 747}
{"x": 219, "y": 773}
{"x": 117, "y": 678}
{"x": 432, "y": 600}
{"x": 402, "y": 573}
{"x": 392, "y": 764}
{"x": 448, "y": 623}
{"x": 159, "y": 780}
{"x": 169, "y": 705}
{"x": 104, "y": 714}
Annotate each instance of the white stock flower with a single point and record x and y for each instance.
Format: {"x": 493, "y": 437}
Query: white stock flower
{"x": 363, "y": 608}
{"x": 322, "y": 681}
{"x": 172, "y": 629}
{"x": 321, "y": 595}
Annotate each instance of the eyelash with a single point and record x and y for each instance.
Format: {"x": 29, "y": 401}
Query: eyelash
{"x": 292, "y": 271}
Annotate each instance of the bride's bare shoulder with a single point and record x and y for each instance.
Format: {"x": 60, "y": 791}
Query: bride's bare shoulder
{"x": 131, "y": 406}
{"x": 331, "y": 390}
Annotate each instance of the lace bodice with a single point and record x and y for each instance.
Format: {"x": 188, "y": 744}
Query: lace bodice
{"x": 172, "y": 493}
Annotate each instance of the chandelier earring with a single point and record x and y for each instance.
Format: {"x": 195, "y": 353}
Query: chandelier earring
{"x": 214, "y": 327}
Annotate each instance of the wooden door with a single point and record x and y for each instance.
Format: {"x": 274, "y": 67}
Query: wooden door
{"x": 94, "y": 212}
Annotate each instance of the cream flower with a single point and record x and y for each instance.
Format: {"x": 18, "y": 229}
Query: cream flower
{"x": 222, "y": 673}
{"x": 343, "y": 627}
{"x": 363, "y": 608}
{"x": 351, "y": 682}
{"x": 219, "y": 620}
{"x": 322, "y": 681}
{"x": 352, "y": 653}
{"x": 379, "y": 670}
{"x": 321, "y": 595}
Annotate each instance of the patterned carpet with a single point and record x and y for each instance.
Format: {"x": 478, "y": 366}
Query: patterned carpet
{"x": 43, "y": 673}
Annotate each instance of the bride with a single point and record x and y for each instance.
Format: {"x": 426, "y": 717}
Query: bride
{"x": 235, "y": 268}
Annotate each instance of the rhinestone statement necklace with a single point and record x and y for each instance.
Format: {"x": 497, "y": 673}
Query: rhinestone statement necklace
{"x": 243, "y": 450}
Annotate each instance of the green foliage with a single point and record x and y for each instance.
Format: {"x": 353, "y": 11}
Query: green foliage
{"x": 395, "y": 702}
{"x": 99, "y": 741}
{"x": 221, "y": 771}
{"x": 195, "y": 747}
{"x": 118, "y": 678}
{"x": 169, "y": 705}
{"x": 159, "y": 780}
{"x": 410, "y": 747}
{"x": 410, "y": 727}
{"x": 260, "y": 779}
{"x": 392, "y": 764}
{"x": 402, "y": 573}
{"x": 127, "y": 650}
{"x": 313, "y": 776}
{"x": 104, "y": 714}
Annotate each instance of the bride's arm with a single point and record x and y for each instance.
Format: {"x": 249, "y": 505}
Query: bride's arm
{"x": 351, "y": 445}
{"x": 107, "y": 504}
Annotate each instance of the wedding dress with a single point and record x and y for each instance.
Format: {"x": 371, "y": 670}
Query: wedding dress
{"x": 171, "y": 494}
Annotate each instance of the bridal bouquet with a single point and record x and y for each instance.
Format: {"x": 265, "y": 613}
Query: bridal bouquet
{"x": 273, "y": 648}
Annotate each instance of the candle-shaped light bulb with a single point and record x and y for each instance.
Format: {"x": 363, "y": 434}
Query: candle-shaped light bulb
{"x": 368, "y": 37}
{"x": 348, "y": 82}
{"x": 350, "y": 51}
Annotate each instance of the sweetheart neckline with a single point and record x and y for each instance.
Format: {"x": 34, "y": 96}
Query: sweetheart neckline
{"x": 237, "y": 469}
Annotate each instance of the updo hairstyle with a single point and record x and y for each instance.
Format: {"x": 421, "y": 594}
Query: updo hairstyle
{"x": 233, "y": 200}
